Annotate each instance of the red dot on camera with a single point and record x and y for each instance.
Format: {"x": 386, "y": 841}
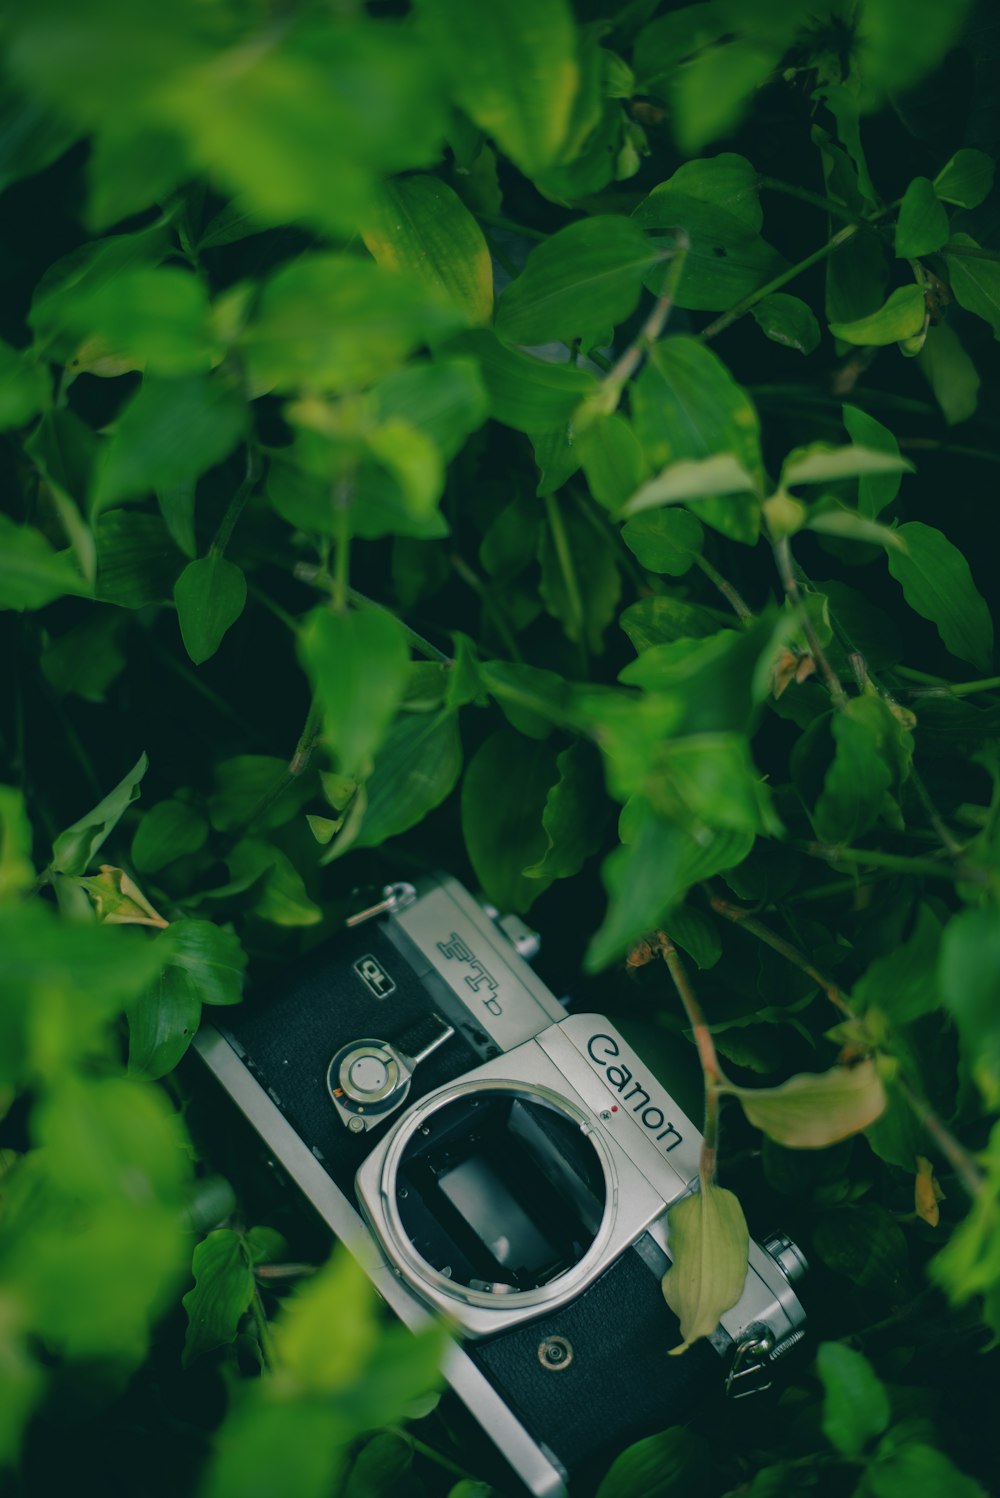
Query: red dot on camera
{"x": 614, "y": 1107}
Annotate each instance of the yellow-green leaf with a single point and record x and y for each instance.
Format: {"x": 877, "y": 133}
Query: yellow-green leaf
{"x": 901, "y": 316}
{"x": 709, "y": 1242}
{"x": 423, "y": 229}
{"x": 816, "y": 1109}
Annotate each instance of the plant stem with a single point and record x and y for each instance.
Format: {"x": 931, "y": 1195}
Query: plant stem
{"x": 711, "y": 1070}
{"x": 745, "y": 304}
{"x": 625, "y": 366}
{"x": 937, "y": 444}
{"x": 958, "y": 1158}
{"x": 749, "y": 922}
{"x": 836, "y": 210}
{"x": 236, "y": 504}
{"x": 430, "y": 1453}
{"x": 420, "y": 645}
{"x": 342, "y": 559}
{"x": 489, "y": 603}
{"x": 740, "y": 608}
{"x": 878, "y": 860}
{"x": 951, "y": 688}
{"x": 574, "y": 598}
{"x": 497, "y": 221}
{"x": 783, "y": 559}
{"x": 974, "y": 252}
{"x": 307, "y": 739}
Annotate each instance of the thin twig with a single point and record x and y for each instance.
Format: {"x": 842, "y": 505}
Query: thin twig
{"x": 786, "y": 570}
{"x": 739, "y": 607}
{"x": 625, "y": 366}
{"x": 711, "y": 1070}
{"x": 489, "y": 603}
{"x": 750, "y": 923}
{"x": 958, "y": 1158}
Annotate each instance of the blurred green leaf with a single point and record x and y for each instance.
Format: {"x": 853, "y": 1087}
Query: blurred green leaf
{"x": 210, "y": 595}
{"x": 24, "y": 388}
{"x": 578, "y": 565}
{"x": 950, "y": 372}
{"x": 575, "y": 815}
{"x": 255, "y": 789}
{"x": 422, "y": 229}
{"x": 821, "y": 464}
{"x": 137, "y": 562}
{"x": 357, "y": 663}
{"x": 31, "y": 573}
{"x": 866, "y": 1245}
{"x": 17, "y": 871}
{"x": 938, "y": 585}
{"x": 969, "y": 970}
{"x": 692, "y": 478}
{"x": 611, "y": 459}
{"x": 861, "y": 772}
{"x": 974, "y": 281}
{"x": 676, "y": 1463}
{"x": 157, "y": 316}
{"x": 381, "y": 1467}
{"x": 665, "y": 540}
{"x": 513, "y": 69}
{"x": 856, "y": 1405}
{"x": 528, "y": 394}
{"x": 579, "y": 284}
{"x": 922, "y": 226}
{"x": 172, "y": 430}
{"x": 87, "y": 658}
{"x": 875, "y": 490}
{"x": 335, "y": 322}
{"x": 416, "y": 767}
{"x": 282, "y": 897}
{"x": 916, "y": 1471}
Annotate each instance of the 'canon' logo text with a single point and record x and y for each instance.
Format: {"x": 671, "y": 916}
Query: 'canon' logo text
{"x": 603, "y": 1050}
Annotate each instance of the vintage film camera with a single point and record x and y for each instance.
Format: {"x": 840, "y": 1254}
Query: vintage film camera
{"x": 514, "y": 1166}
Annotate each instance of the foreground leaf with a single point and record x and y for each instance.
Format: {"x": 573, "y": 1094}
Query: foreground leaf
{"x": 899, "y": 318}
{"x": 709, "y": 1242}
{"x": 423, "y": 229}
{"x": 969, "y": 975}
{"x": 503, "y": 796}
{"x": 815, "y": 1109}
{"x": 31, "y": 573}
{"x": 357, "y": 663}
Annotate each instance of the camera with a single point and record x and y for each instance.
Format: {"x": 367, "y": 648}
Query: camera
{"x": 494, "y": 1159}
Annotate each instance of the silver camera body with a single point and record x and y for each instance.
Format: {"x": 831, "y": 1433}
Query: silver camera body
{"x": 490, "y": 1158}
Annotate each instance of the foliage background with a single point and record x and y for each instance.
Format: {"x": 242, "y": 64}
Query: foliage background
{"x": 334, "y": 584}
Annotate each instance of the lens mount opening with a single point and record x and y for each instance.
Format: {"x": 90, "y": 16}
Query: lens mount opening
{"x": 499, "y": 1194}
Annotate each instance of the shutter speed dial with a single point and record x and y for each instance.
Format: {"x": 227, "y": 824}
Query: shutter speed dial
{"x": 368, "y": 1079}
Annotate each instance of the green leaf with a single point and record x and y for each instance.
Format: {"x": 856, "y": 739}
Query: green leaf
{"x": 787, "y": 320}
{"x": 531, "y": 395}
{"x": 255, "y": 789}
{"x": 969, "y": 972}
{"x": 31, "y": 573}
{"x": 692, "y": 478}
{"x": 282, "y": 897}
{"x": 171, "y": 431}
{"x": 210, "y": 595}
{"x": 446, "y": 400}
{"x": 157, "y": 316}
{"x": 381, "y": 1469}
{"x": 687, "y": 405}
{"x": 611, "y": 459}
{"x": 711, "y": 90}
{"x": 938, "y": 585}
{"x": 709, "y": 1242}
{"x": 74, "y": 848}
{"x": 136, "y": 560}
{"x": 223, "y": 1291}
{"x": 727, "y": 180}
{"x": 357, "y": 663}
{"x": 965, "y": 179}
{"x": 416, "y": 767}
{"x": 24, "y": 388}
{"x": 162, "y": 1023}
{"x": 87, "y": 658}
{"x": 212, "y": 958}
{"x": 834, "y": 519}
{"x": 726, "y": 260}
{"x": 975, "y": 282}
{"x": 81, "y": 273}
{"x": 875, "y": 490}
{"x": 336, "y": 323}
{"x": 665, "y": 540}
{"x": 861, "y": 772}
{"x": 916, "y": 1471}
{"x": 697, "y": 934}
{"x": 950, "y": 373}
{"x": 303, "y": 128}
{"x": 17, "y": 871}
{"x": 504, "y": 794}
{"x": 169, "y": 830}
{"x": 424, "y": 230}
{"x": 575, "y": 814}
{"x": 903, "y": 39}
{"x": 584, "y": 280}
{"x": 901, "y": 316}
{"x": 674, "y": 1463}
{"x": 922, "y": 226}
{"x": 710, "y": 778}
{"x": 821, "y": 464}
{"x": 513, "y": 69}
{"x": 867, "y": 1246}
{"x": 815, "y": 1109}
{"x": 660, "y": 619}
{"x": 855, "y": 1405}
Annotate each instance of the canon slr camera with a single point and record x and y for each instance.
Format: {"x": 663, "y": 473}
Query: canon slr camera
{"x": 492, "y": 1158}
